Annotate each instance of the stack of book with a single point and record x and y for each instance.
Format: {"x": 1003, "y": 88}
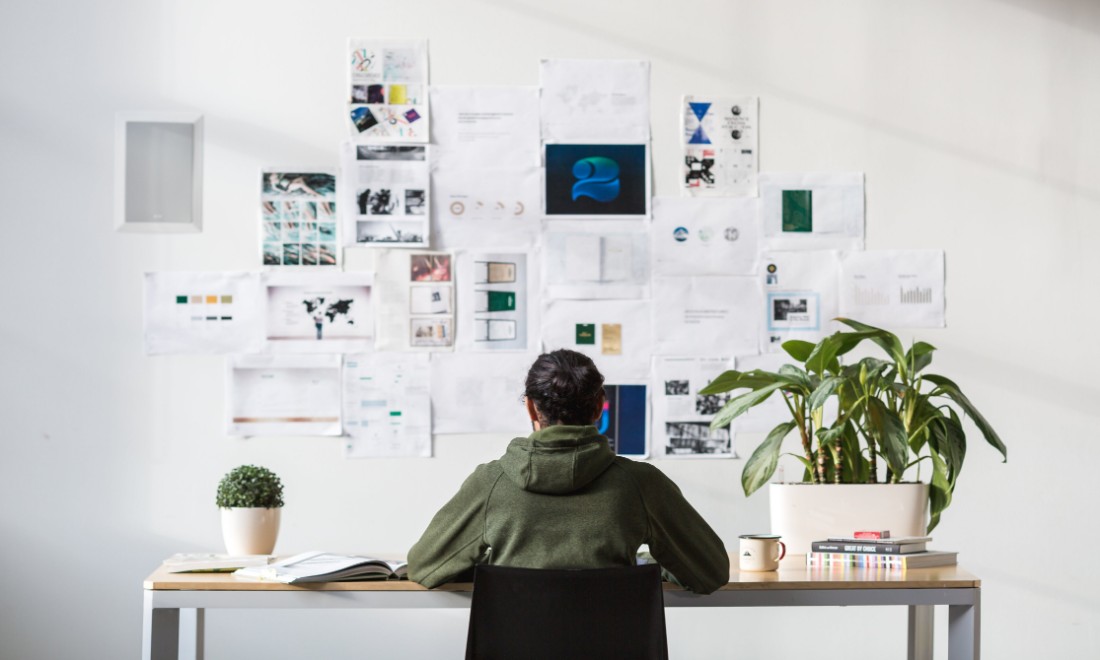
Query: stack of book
{"x": 877, "y": 550}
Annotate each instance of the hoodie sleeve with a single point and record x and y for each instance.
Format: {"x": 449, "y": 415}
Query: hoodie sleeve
{"x": 679, "y": 539}
{"x": 455, "y": 538}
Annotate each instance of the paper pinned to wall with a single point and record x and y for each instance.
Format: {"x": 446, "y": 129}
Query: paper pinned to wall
{"x": 594, "y": 99}
{"x": 596, "y": 260}
{"x": 386, "y": 195}
{"x": 480, "y": 208}
{"x": 312, "y": 312}
{"x": 480, "y": 392}
{"x": 495, "y": 309}
{"x": 485, "y": 127}
{"x": 705, "y": 236}
{"x": 388, "y": 90}
{"x": 387, "y": 405}
{"x": 682, "y": 416}
{"x": 283, "y": 395}
{"x": 800, "y": 296}
{"x": 720, "y": 145}
{"x": 597, "y": 180}
{"x": 706, "y": 315}
{"x": 812, "y": 211}
{"x": 191, "y": 312}
{"x": 416, "y": 301}
{"x": 893, "y": 288}
{"x": 298, "y": 215}
{"x": 616, "y": 334}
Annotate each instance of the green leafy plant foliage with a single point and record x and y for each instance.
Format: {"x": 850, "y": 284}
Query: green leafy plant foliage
{"x": 250, "y": 486}
{"x": 891, "y": 416}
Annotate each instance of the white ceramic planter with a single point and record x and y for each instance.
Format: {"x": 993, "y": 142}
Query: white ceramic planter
{"x": 804, "y": 513}
{"x": 250, "y": 531}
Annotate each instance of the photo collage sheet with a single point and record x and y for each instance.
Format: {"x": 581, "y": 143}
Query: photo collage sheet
{"x": 543, "y": 233}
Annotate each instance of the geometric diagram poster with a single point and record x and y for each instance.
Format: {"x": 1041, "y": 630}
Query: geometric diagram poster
{"x": 318, "y": 312}
{"x": 893, "y": 288}
{"x": 493, "y": 301}
{"x": 586, "y": 260}
{"x": 387, "y": 405}
{"x": 616, "y": 334}
{"x": 705, "y": 236}
{"x": 625, "y": 419}
{"x": 800, "y": 297}
{"x": 594, "y": 99}
{"x": 812, "y": 211}
{"x": 386, "y": 195}
{"x": 388, "y": 90}
{"x": 681, "y": 416}
{"x": 298, "y": 211}
{"x": 597, "y": 180}
{"x": 719, "y": 146}
{"x": 417, "y": 300}
{"x": 189, "y": 312}
{"x": 283, "y": 395}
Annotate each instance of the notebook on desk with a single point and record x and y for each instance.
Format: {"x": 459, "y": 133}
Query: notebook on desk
{"x": 319, "y": 566}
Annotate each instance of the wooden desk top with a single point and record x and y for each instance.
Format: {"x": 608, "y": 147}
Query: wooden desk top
{"x": 786, "y": 578}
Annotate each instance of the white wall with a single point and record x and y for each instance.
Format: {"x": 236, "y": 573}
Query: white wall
{"x": 976, "y": 125}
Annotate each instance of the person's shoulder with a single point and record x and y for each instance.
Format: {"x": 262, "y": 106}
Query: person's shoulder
{"x": 645, "y": 473}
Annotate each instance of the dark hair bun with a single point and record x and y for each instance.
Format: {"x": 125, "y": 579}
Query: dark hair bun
{"x": 565, "y": 386}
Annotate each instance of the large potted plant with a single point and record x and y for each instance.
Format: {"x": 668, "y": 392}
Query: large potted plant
{"x": 250, "y": 499}
{"x": 892, "y": 420}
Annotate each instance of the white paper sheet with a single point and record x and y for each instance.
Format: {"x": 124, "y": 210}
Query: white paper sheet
{"x": 705, "y": 236}
{"x": 720, "y": 145}
{"x": 388, "y": 90}
{"x": 416, "y": 301}
{"x": 283, "y": 395}
{"x": 387, "y": 405}
{"x": 595, "y": 99}
{"x": 385, "y": 195}
{"x": 481, "y": 208}
{"x": 893, "y": 288}
{"x": 702, "y": 316}
{"x": 616, "y": 334}
{"x": 485, "y": 127}
{"x": 189, "y": 312}
{"x": 682, "y": 416}
{"x": 585, "y": 260}
{"x": 812, "y": 211}
{"x": 298, "y": 217}
{"x": 311, "y": 312}
{"x": 494, "y": 302}
{"x": 596, "y": 180}
{"x": 800, "y": 296}
{"x": 480, "y": 392}
{"x": 763, "y": 417}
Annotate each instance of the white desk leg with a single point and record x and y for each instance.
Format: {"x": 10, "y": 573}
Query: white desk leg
{"x": 964, "y": 630}
{"x": 192, "y": 633}
{"x": 920, "y": 632}
{"x": 160, "y": 635}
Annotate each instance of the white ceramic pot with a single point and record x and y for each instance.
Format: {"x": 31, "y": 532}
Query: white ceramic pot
{"x": 250, "y": 531}
{"x": 804, "y": 513}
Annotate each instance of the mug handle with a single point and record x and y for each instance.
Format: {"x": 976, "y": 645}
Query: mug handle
{"x": 782, "y": 550}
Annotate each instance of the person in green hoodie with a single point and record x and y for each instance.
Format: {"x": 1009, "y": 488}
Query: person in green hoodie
{"x": 560, "y": 498}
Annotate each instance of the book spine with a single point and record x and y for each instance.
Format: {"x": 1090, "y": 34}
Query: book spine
{"x": 872, "y": 534}
{"x": 859, "y": 548}
{"x": 827, "y": 559}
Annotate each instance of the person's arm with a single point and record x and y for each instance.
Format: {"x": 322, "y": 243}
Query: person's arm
{"x": 455, "y": 538}
{"x": 679, "y": 539}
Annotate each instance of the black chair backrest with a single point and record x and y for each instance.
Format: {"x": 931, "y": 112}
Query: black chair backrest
{"x": 530, "y": 614}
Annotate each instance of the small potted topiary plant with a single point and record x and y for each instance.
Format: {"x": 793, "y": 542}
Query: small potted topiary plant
{"x": 250, "y": 499}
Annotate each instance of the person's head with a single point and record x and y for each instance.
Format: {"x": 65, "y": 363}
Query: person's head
{"x": 564, "y": 387}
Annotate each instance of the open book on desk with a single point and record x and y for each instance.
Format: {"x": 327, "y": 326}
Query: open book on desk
{"x": 326, "y": 567}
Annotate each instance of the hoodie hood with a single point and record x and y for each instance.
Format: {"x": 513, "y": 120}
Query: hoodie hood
{"x": 557, "y": 459}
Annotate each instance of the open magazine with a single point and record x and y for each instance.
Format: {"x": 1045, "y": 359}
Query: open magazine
{"x": 326, "y": 567}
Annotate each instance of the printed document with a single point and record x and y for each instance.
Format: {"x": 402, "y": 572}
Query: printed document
{"x": 616, "y": 334}
{"x": 596, "y": 260}
{"x": 387, "y": 405}
{"x": 387, "y": 90}
{"x": 682, "y": 416}
{"x": 893, "y": 288}
{"x": 595, "y": 99}
{"x": 706, "y": 315}
{"x": 494, "y": 301}
{"x": 189, "y": 312}
{"x": 283, "y": 395}
{"x": 385, "y": 198}
{"x": 813, "y": 211}
{"x": 312, "y": 312}
{"x": 720, "y": 146}
{"x": 705, "y": 236}
{"x": 298, "y": 216}
{"x": 480, "y": 392}
{"x": 416, "y": 301}
{"x": 800, "y": 297}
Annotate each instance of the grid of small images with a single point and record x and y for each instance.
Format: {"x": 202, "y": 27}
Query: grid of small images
{"x": 388, "y": 89}
{"x": 298, "y": 212}
{"x": 431, "y": 300}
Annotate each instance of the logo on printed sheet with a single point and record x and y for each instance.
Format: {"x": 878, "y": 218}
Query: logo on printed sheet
{"x": 732, "y": 234}
{"x": 597, "y": 178}
{"x": 680, "y": 234}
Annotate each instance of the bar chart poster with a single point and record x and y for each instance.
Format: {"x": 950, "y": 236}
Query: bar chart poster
{"x": 894, "y": 288}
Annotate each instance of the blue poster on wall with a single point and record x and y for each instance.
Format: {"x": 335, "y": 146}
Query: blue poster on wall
{"x": 597, "y": 179}
{"x": 624, "y": 417}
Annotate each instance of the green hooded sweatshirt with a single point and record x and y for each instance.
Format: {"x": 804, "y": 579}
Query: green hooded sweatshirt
{"x": 561, "y": 499}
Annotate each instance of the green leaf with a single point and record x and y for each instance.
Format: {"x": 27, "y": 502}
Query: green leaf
{"x": 796, "y": 377}
{"x": 825, "y": 390}
{"x": 823, "y": 357}
{"x": 738, "y": 405}
{"x": 888, "y": 341}
{"x": 761, "y": 465}
{"x": 939, "y": 491}
{"x": 952, "y": 391}
{"x": 890, "y": 433}
{"x": 732, "y": 380}
{"x": 919, "y": 356}
{"x": 798, "y": 349}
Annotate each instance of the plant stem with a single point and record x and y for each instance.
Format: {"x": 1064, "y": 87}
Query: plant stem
{"x": 798, "y": 419}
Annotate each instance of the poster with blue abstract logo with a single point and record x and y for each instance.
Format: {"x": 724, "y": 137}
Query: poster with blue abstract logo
{"x": 604, "y": 180}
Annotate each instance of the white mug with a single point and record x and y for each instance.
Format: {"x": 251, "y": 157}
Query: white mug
{"x": 761, "y": 552}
